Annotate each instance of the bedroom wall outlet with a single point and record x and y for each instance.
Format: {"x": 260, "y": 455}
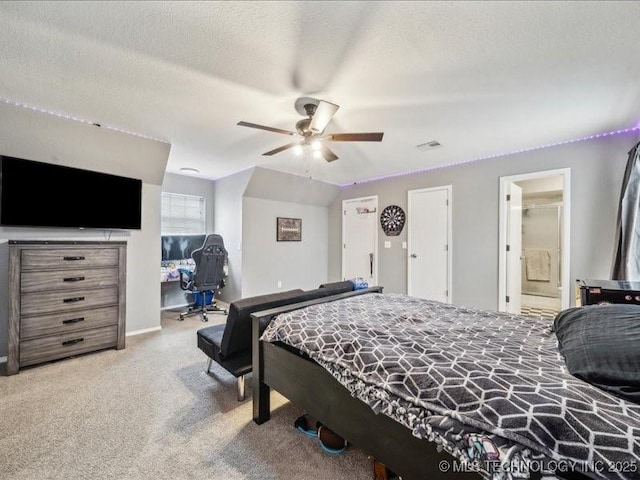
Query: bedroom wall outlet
{"x": 387, "y": 244}
{"x": 279, "y": 284}
{"x": 404, "y": 245}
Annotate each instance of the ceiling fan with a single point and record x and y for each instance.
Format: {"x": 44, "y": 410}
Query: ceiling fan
{"x": 310, "y": 130}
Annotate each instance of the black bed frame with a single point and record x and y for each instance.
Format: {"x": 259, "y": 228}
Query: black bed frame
{"x": 316, "y": 391}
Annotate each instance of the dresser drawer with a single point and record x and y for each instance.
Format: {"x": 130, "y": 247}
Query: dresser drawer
{"x": 36, "y": 259}
{"x": 63, "y": 323}
{"x": 37, "y": 303}
{"x": 65, "y": 298}
{"x": 60, "y": 346}
{"x": 68, "y": 279}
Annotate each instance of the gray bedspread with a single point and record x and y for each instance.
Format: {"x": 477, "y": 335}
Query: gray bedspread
{"x": 490, "y": 388}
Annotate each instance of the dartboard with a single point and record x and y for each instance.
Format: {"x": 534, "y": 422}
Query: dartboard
{"x": 392, "y": 220}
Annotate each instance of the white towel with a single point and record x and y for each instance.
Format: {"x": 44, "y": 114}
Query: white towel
{"x": 538, "y": 264}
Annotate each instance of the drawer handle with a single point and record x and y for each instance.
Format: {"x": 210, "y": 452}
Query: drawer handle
{"x": 72, "y": 342}
{"x": 74, "y": 299}
{"x": 74, "y": 258}
{"x": 73, "y": 279}
{"x": 73, "y": 320}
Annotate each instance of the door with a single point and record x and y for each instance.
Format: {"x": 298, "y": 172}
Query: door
{"x": 510, "y": 213}
{"x": 360, "y": 239}
{"x": 429, "y": 244}
{"x": 514, "y": 247}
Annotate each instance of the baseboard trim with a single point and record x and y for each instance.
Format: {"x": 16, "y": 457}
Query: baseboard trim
{"x": 144, "y": 330}
{"x": 173, "y": 307}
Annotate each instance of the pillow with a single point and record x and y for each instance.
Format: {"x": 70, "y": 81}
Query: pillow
{"x": 339, "y": 287}
{"x": 601, "y": 345}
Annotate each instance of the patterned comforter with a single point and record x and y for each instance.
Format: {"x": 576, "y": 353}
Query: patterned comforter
{"x": 490, "y": 388}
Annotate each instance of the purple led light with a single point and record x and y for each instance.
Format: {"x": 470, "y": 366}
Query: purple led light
{"x": 496, "y": 155}
{"x": 76, "y": 119}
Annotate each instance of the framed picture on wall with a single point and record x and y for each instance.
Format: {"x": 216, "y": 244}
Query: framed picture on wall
{"x": 288, "y": 229}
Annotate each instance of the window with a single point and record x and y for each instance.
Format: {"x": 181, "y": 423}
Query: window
{"x": 182, "y": 214}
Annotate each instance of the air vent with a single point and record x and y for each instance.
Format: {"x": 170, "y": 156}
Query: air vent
{"x": 429, "y": 145}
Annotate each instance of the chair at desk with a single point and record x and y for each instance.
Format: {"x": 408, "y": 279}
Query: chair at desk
{"x": 207, "y": 278}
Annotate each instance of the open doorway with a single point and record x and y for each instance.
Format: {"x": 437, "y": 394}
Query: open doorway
{"x": 534, "y": 243}
{"x": 360, "y": 239}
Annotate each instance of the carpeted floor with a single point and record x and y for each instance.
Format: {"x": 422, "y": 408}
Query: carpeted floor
{"x": 150, "y": 412}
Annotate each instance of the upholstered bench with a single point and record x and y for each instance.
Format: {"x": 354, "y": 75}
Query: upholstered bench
{"x": 229, "y": 344}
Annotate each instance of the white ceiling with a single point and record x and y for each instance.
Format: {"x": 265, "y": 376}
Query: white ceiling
{"x": 482, "y": 78}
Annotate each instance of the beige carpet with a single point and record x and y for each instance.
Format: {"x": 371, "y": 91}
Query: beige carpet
{"x": 150, "y": 412}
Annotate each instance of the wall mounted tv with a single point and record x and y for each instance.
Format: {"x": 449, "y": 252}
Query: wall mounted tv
{"x": 38, "y": 194}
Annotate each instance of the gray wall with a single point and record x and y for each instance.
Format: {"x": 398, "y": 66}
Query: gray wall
{"x": 266, "y": 261}
{"x": 246, "y": 206}
{"x": 171, "y": 293}
{"x": 284, "y": 187}
{"x": 596, "y": 166}
{"x": 228, "y": 192}
{"x": 38, "y": 136}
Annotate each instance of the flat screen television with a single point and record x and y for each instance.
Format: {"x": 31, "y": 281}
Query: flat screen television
{"x": 38, "y": 194}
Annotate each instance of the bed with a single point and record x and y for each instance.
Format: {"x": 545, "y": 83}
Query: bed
{"x": 437, "y": 391}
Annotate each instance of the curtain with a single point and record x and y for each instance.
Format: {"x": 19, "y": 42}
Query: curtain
{"x": 626, "y": 257}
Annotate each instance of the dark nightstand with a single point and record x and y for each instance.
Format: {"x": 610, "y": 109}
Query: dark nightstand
{"x": 608, "y": 291}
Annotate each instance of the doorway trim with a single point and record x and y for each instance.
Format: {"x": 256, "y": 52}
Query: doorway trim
{"x": 565, "y": 280}
{"x": 410, "y": 193}
{"x": 375, "y": 244}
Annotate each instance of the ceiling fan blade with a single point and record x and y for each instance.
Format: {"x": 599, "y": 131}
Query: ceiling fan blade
{"x": 269, "y": 129}
{"x": 322, "y": 116}
{"x": 281, "y": 149}
{"x": 356, "y": 137}
{"x": 328, "y": 155}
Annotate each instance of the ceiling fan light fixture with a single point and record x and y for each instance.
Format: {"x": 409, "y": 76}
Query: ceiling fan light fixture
{"x": 318, "y": 114}
{"x": 322, "y": 116}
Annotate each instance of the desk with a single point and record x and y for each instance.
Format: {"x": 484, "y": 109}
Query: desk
{"x": 169, "y": 269}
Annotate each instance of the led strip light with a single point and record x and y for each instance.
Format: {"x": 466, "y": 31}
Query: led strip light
{"x": 487, "y": 157}
{"x": 76, "y": 119}
{"x": 374, "y": 179}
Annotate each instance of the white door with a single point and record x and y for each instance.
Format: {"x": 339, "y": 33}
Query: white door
{"x": 514, "y": 247}
{"x": 360, "y": 239}
{"x": 429, "y": 247}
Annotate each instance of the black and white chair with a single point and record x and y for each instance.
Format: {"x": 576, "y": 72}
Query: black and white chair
{"x": 207, "y": 278}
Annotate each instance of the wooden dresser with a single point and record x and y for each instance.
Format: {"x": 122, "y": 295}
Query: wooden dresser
{"x": 65, "y": 298}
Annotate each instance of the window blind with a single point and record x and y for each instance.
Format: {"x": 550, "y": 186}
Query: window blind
{"x": 182, "y": 214}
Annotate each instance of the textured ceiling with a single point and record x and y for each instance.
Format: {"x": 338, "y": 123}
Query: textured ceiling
{"x": 482, "y": 78}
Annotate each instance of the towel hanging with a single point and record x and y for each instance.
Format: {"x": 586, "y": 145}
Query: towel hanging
{"x": 538, "y": 264}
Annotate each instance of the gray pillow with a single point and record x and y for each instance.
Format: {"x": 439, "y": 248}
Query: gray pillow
{"x": 601, "y": 345}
